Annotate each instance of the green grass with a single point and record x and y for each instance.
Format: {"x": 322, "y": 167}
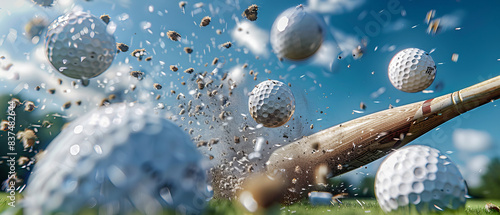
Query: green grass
{"x": 349, "y": 206}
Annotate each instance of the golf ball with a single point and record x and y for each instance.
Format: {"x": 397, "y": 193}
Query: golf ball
{"x": 421, "y": 177}
{"x": 120, "y": 158}
{"x": 297, "y": 33}
{"x": 271, "y": 103}
{"x": 79, "y": 46}
{"x": 412, "y": 70}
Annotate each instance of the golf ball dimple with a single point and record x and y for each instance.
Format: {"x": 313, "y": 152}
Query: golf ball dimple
{"x": 421, "y": 177}
{"x": 412, "y": 70}
{"x": 79, "y": 46}
{"x": 123, "y": 158}
{"x": 297, "y": 33}
{"x": 271, "y": 103}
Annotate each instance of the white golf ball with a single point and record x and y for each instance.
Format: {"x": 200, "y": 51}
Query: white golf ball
{"x": 412, "y": 70}
{"x": 121, "y": 158}
{"x": 419, "y": 177}
{"x": 79, "y": 46}
{"x": 297, "y": 33}
{"x": 271, "y": 103}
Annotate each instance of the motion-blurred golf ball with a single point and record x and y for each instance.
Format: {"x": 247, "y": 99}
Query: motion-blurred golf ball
{"x": 119, "y": 159}
{"x": 412, "y": 70}
{"x": 79, "y": 46}
{"x": 420, "y": 177}
{"x": 297, "y": 33}
{"x": 271, "y": 103}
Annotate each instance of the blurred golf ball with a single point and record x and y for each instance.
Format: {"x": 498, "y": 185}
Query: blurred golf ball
{"x": 421, "y": 177}
{"x": 79, "y": 46}
{"x": 121, "y": 158}
{"x": 412, "y": 70}
{"x": 297, "y": 33}
{"x": 271, "y": 103}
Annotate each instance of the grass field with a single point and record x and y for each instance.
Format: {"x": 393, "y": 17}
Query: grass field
{"x": 349, "y": 206}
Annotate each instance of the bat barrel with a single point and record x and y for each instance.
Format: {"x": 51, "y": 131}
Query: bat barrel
{"x": 358, "y": 142}
{"x": 477, "y": 95}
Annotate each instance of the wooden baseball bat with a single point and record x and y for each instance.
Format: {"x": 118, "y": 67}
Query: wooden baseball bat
{"x": 358, "y": 142}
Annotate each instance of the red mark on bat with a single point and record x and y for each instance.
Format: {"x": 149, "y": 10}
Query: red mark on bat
{"x": 426, "y": 107}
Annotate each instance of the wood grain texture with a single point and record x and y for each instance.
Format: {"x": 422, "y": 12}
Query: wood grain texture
{"x": 358, "y": 142}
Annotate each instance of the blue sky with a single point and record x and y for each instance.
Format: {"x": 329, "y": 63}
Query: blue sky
{"x": 322, "y": 83}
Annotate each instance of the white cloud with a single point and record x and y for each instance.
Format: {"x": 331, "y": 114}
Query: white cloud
{"x": 236, "y": 74}
{"x": 471, "y": 140}
{"x": 326, "y": 55}
{"x": 345, "y": 42}
{"x": 252, "y": 37}
{"x": 38, "y": 72}
{"x": 334, "y": 6}
{"x": 475, "y": 168}
{"x": 397, "y": 25}
{"x": 451, "y": 21}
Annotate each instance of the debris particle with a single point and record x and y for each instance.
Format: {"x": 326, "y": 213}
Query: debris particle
{"x": 251, "y": 12}
{"x": 59, "y": 81}
{"x": 362, "y": 106}
{"x": 173, "y": 68}
{"x": 157, "y": 86}
{"x": 158, "y": 97}
{"x": 37, "y": 88}
{"x": 51, "y": 91}
{"x": 454, "y": 57}
{"x": 122, "y": 47}
{"x": 105, "y": 102}
{"x": 201, "y": 86}
{"x": 174, "y": 36}
{"x": 182, "y": 4}
{"x": 236, "y": 139}
{"x": 312, "y": 126}
{"x": 215, "y": 61}
{"x": 429, "y": 16}
{"x": 29, "y": 106}
{"x": 149, "y": 58}
{"x": 66, "y": 105}
{"x": 227, "y": 45}
{"x": 188, "y": 50}
{"x": 105, "y": 18}
{"x": 4, "y": 125}
{"x": 139, "y": 53}
{"x": 219, "y": 32}
{"x": 433, "y": 27}
{"x": 189, "y": 70}
{"x": 137, "y": 74}
{"x": 205, "y": 21}
{"x": 22, "y": 160}
{"x": 79, "y": 102}
{"x": 358, "y": 52}
{"x": 201, "y": 143}
{"x": 490, "y": 207}
{"x": 27, "y": 137}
